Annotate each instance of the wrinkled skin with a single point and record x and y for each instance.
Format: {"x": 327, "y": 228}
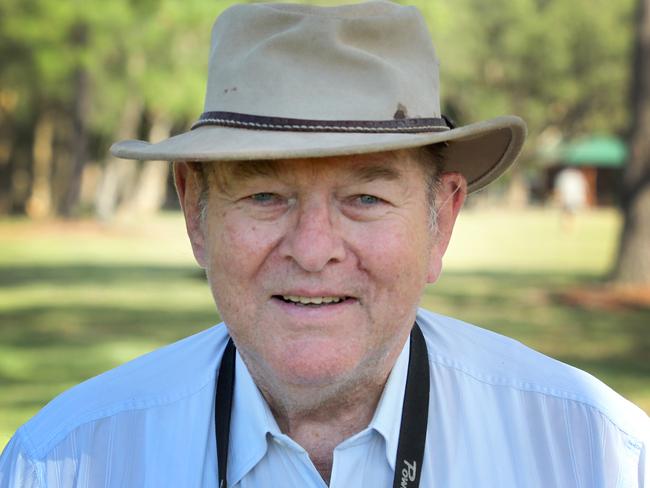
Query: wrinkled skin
{"x": 352, "y": 228}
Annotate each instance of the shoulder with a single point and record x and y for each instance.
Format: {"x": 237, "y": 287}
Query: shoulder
{"x": 488, "y": 358}
{"x": 165, "y": 376}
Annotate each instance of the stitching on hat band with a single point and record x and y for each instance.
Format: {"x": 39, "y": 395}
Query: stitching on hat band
{"x": 259, "y": 122}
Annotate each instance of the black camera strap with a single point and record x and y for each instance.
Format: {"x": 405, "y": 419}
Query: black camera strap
{"x": 413, "y": 428}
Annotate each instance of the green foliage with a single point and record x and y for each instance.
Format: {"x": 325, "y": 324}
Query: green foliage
{"x": 558, "y": 64}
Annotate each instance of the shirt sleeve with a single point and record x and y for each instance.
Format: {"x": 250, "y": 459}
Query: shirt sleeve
{"x": 17, "y": 470}
{"x": 644, "y": 466}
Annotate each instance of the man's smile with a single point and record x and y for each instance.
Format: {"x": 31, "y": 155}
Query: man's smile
{"x": 313, "y": 300}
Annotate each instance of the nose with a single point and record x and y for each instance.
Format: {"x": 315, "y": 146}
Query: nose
{"x": 313, "y": 239}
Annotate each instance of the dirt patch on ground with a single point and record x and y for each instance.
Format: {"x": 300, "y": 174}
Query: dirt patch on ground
{"x": 607, "y": 297}
{"x": 54, "y": 228}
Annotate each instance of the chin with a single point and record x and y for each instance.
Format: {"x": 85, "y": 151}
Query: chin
{"x": 317, "y": 365}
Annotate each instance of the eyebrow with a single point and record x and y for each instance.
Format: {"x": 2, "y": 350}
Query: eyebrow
{"x": 244, "y": 170}
{"x": 372, "y": 172}
{"x": 249, "y": 169}
{"x": 227, "y": 172}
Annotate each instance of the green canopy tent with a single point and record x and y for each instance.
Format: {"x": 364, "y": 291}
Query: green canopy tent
{"x": 598, "y": 151}
{"x": 600, "y": 159}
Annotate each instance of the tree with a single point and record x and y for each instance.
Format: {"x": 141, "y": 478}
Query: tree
{"x": 54, "y": 58}
{"x": 633, "y": 264}
{"x": 556, "y": 63}
{"x": 76, "y": 76}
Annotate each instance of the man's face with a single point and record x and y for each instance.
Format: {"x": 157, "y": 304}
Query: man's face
{"x": 317, "y": 265}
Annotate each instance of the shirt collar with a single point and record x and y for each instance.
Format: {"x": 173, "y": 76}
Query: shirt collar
{"x": 388, "y": 415}
{"x": 252, "y": 420}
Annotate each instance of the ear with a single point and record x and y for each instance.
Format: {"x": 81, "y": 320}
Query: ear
{"x": 449, "y": 200}
{"x": 188, "y": 188}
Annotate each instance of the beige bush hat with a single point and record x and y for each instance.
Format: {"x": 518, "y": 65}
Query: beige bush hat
{"x": 290, "y": 81}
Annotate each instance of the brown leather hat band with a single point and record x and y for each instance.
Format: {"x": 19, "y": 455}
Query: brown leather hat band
{"x": 259, "y": 122}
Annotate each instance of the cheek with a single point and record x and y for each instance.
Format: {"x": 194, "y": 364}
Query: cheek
{"x": 236, "y": 252}
{"x": 395, "y": 254}
{"x": 236, "y": 246}
{"x": 396, "y": 262}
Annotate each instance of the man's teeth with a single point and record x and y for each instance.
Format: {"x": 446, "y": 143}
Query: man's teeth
{"x": 311, "y": 300}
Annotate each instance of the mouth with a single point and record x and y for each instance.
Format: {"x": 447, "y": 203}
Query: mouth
{"x": 314, "y": 301}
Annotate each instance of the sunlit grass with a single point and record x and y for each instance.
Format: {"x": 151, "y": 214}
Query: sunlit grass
{"x": 79, "y": 298}
{"x": 534, "y": 240}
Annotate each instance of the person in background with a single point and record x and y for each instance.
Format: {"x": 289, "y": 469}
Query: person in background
{"x": 571, "y": 192}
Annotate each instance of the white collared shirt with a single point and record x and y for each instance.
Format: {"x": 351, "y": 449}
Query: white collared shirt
{"x": 500, "y": 415}
{"x": 258, "y": 447}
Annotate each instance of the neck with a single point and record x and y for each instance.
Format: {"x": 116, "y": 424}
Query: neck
{"x": 322, "y": 417}
{"x": 320, "y": 428}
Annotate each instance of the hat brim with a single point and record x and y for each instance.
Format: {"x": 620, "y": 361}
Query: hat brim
{"x": 481, "y": 151}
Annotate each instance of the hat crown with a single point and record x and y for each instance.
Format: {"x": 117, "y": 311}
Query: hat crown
{"x": 369, "y": 61}
{"x": 298, "y": 81}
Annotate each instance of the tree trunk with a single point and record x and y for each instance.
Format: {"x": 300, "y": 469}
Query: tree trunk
{"x": 633, "y": 263}
{"x": 7, "y": 137}
{"x": 39, "y": 204}
{"x": 517, "y": 192}
{"x": 80, "y": 126}
{"x": 150, "y": 190}
{"x": 119, "y": 174}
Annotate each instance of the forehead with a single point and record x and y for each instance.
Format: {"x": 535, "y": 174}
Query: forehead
{"x": 389, "y": 166}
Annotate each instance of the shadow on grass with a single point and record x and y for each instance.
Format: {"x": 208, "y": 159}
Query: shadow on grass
{"x": 77, "y": 323}
{"x": 44, "y": 347}
{"x": 70, "y": 339}
{"x": 108, "y": 274}
{"x": 83, "y": 325}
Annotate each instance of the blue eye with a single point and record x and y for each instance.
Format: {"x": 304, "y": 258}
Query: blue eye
{"x": 263, "y": 197}
{"x": 368, "y": 199}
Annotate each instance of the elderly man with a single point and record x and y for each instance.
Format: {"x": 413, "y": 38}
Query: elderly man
{"x": 320, "y": 188}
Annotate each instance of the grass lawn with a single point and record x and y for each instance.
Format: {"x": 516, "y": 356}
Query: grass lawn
{"x": 79, "y": 298}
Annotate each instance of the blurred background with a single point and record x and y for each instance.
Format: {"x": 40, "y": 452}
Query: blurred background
{"x": 95, "y": 268}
